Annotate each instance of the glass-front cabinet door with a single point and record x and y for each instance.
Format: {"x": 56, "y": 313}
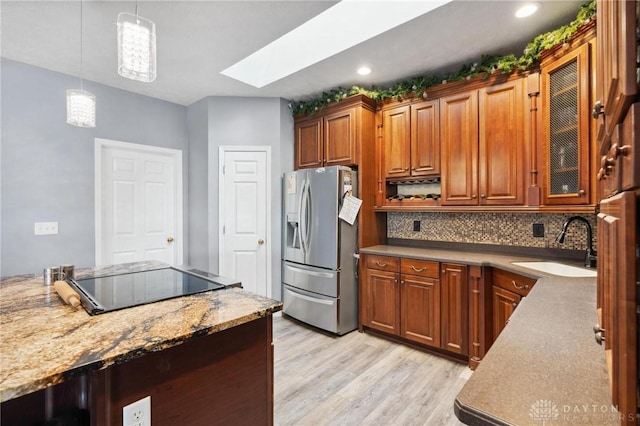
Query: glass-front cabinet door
{"x": 566, "y": 135}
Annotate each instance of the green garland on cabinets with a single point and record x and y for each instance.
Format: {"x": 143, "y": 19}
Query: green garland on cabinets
{"x": 488, "y": 64}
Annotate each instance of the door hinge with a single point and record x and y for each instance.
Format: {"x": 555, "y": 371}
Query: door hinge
{"x": 224, "y": 229}
{"x": 224, "y": 169}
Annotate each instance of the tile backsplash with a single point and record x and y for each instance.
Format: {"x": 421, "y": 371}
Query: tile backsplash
{"x": 510, "y": 229}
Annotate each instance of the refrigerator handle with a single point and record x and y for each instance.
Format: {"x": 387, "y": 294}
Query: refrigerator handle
{"x": 307, "y": 212}
{"x": 303, "y": 219}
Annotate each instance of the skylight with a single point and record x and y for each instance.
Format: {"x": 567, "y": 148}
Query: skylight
{"x": 338, "y": 28}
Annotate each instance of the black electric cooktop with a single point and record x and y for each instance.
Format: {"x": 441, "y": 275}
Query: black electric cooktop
{"x": 110, "y": 293}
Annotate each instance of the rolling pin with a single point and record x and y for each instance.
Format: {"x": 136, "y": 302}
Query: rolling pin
{"x": 67, "y": 294}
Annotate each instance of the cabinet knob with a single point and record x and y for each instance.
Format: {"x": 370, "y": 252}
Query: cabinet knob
{"x": 515, "y": 304}
{"x": 600, "y": 337}
{"x": 598, "y": 109}
{"x": 618, "y": 151}
{"x": 473, "y": 196}
{"x": 482, "y": 196}
{"x": 582, "y": 192}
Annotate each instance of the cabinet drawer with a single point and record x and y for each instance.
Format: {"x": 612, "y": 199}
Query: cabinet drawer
{"x": 512, "y": 282}
{"x": 424, "y": 268}
{"x": 384, "y": 263}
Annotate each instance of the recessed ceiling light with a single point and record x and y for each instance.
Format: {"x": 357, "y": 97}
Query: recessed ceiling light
{"x": 344, "y": 25}
{"x": 364, "y": 70}
{"x": 527, "y": 10}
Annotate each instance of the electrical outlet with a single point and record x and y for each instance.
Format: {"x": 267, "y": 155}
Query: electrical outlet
{"x": 538, "y": 229}
{"x": 416, "y": 225}
{"x": 137, "y": 413}
{"x": 45, "y": 228}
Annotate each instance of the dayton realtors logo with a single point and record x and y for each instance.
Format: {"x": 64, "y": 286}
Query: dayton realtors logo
{"x": 544, "y": 411}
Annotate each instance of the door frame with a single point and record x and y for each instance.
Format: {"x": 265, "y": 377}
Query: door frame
{"x": 174, "y": 154}
{"x": 222, "y": 150}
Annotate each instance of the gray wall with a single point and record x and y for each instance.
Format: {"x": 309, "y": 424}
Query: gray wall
{"x": 245, "y": 122}
{"x": 48, "y": 166}
{"x": 197, "y": 215}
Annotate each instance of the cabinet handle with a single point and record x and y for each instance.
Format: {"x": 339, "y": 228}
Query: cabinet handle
{"x": 381, "y": 264}
{"x": 600, "y": 337}
{"x": 417, "y": 269}
{"x": 620, "y": 150}
{"x": 598, "y": 109}
{"x": 520, "y": 287}
{"x": 582, "y": 193}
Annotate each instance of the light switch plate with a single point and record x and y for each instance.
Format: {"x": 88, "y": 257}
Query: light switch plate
{"x": 46, "y": 228}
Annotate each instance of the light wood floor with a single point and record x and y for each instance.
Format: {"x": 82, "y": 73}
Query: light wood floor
{"x": 359, "y": 379}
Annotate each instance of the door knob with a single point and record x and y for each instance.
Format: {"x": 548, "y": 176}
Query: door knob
{"x": 260, "y": 242}
{"x": 170, "y": 239}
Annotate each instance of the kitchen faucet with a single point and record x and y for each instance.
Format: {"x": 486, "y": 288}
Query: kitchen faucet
{"x": 590, "y": 260}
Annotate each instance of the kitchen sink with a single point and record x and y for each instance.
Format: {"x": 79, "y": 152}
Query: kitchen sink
{"x": 556, "y": 268}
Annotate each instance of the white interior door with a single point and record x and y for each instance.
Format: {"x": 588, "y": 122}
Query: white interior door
{"x": 138, "y": 203}
{"x": 244, "y": 196}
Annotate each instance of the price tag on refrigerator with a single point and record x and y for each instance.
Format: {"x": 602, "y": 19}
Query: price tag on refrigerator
{"x": 350, "y": 208}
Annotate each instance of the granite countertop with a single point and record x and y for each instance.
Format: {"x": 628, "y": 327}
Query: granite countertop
{"x": 545, "y": 365}
{"x": 43, "y": 340}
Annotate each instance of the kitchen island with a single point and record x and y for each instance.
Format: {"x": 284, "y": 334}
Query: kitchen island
{"x": 545, "y": 366}
{"x": 204, "y": 359}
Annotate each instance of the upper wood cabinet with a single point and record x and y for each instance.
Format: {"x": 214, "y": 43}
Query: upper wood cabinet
{"x": 459, "y": 148}
{"x": 566, "y": 127}
{"x": 336, "y": 135}
{"x": 482, "y": 142}
{"x": 411, "y": 140}
{"x": 617, "y": 82}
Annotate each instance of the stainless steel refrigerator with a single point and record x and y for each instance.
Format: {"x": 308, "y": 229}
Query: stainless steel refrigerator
{"x": 319, "y": 285}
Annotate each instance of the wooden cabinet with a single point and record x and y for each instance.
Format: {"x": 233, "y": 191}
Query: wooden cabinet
{"x": 381, "y": 294}
{"x": 566, "y": 127}
{"x": 618, "y": 275}
{"x": 336, "y": 135}
{"x": 502, "y": 143}
{"x": 482, "y": 142}
{"x": 508, "y": 289}
{"x": 617, "y": 82}
{"x": 459, "y": 148}
{"x": 420, "y": 301}
{"x": 454, "y": 308}
{"x": 411, "y": 140}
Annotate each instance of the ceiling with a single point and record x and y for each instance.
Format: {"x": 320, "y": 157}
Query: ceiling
{"x": 198, "y": 39}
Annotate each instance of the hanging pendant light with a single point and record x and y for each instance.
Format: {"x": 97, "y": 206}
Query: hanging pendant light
{"x": 81, "y": 105}
{"x": 136, "y": 47}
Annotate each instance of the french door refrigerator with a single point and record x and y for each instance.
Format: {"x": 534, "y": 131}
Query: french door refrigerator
{"x": 319, "y": 285}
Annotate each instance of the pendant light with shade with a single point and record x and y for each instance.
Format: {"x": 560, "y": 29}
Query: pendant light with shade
{"x": 136, "y": 47}
{"x": 81, "y": 104}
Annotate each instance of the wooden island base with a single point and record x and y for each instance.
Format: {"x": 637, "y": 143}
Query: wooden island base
{"x": 222, "y": 378}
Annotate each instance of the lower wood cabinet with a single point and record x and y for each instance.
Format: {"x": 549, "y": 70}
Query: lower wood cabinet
{"x": 507, "y": 291}
{"x": 454, "y": 315}
{"x": 418, "y": 300}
